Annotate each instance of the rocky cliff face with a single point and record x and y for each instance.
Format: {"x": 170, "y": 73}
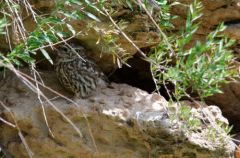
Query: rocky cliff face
{"x": 120, "y": 121}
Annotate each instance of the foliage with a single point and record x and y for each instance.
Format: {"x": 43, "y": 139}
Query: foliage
{"x": 185, "y": 118}
{"x": 201, "y": 68}
{"x": 50, "y": 29}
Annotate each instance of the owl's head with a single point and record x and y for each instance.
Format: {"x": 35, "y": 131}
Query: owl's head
{"x": 71, "y": 51}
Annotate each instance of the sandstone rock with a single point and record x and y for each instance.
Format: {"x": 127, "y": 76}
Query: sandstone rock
{"x": 229, "y": 102}
{"x": 119, "y": 121}
{"x": 214, "y": 13}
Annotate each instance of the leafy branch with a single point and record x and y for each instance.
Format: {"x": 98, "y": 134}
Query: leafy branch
{"x": 201, "y": 68}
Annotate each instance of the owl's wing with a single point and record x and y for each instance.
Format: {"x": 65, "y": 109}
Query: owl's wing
{"x": 62, "y": 71}
{"x": 81, "y": 81}
{"x": 95, "y": 70}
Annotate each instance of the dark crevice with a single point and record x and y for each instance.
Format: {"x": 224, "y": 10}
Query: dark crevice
{"x": 137, "y": 75}
{"x": 232, "y": 22}
{"x": 227, "y": 23}
{"x": 224, "y": 6}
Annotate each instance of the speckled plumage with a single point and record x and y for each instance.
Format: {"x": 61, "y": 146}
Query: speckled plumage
{"x": 76, "y": 72}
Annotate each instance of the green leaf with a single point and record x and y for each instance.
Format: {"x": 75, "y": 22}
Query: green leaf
{"x": 46, "y": 55}
{"x": 129, "y": 4}
{"x": 77, "y": 2}
{"x": 71, "y": 29}
{"x": 90, "y": 15}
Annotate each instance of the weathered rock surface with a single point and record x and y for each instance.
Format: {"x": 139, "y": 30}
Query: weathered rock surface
{"x": 119, "y": 121}
{"x": 229, "y": 101}
{"x": 214, "y": 13}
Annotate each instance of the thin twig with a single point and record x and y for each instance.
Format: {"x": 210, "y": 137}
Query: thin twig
{"x": 157, "y": 26}
{"x": 40, "y": 100}
{"x": 124, "y": 35}
{"x": 34, "y": 89}
{"x": 54, "y": 44}
{"x": 25, "y": 77}
{"x": 30, "y": 153}
{"x": 7, "y": 122}
{"x": 70, "y": 100}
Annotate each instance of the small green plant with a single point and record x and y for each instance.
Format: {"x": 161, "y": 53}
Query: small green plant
{"x": 189, "y": 121}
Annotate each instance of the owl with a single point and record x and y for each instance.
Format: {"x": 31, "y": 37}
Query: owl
{"x": 76, "y": 72}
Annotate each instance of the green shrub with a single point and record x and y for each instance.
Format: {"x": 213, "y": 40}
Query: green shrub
{"x": 201, "y": 68}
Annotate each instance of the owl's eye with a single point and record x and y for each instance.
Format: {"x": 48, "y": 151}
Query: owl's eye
{"x": 65, "y": 49}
